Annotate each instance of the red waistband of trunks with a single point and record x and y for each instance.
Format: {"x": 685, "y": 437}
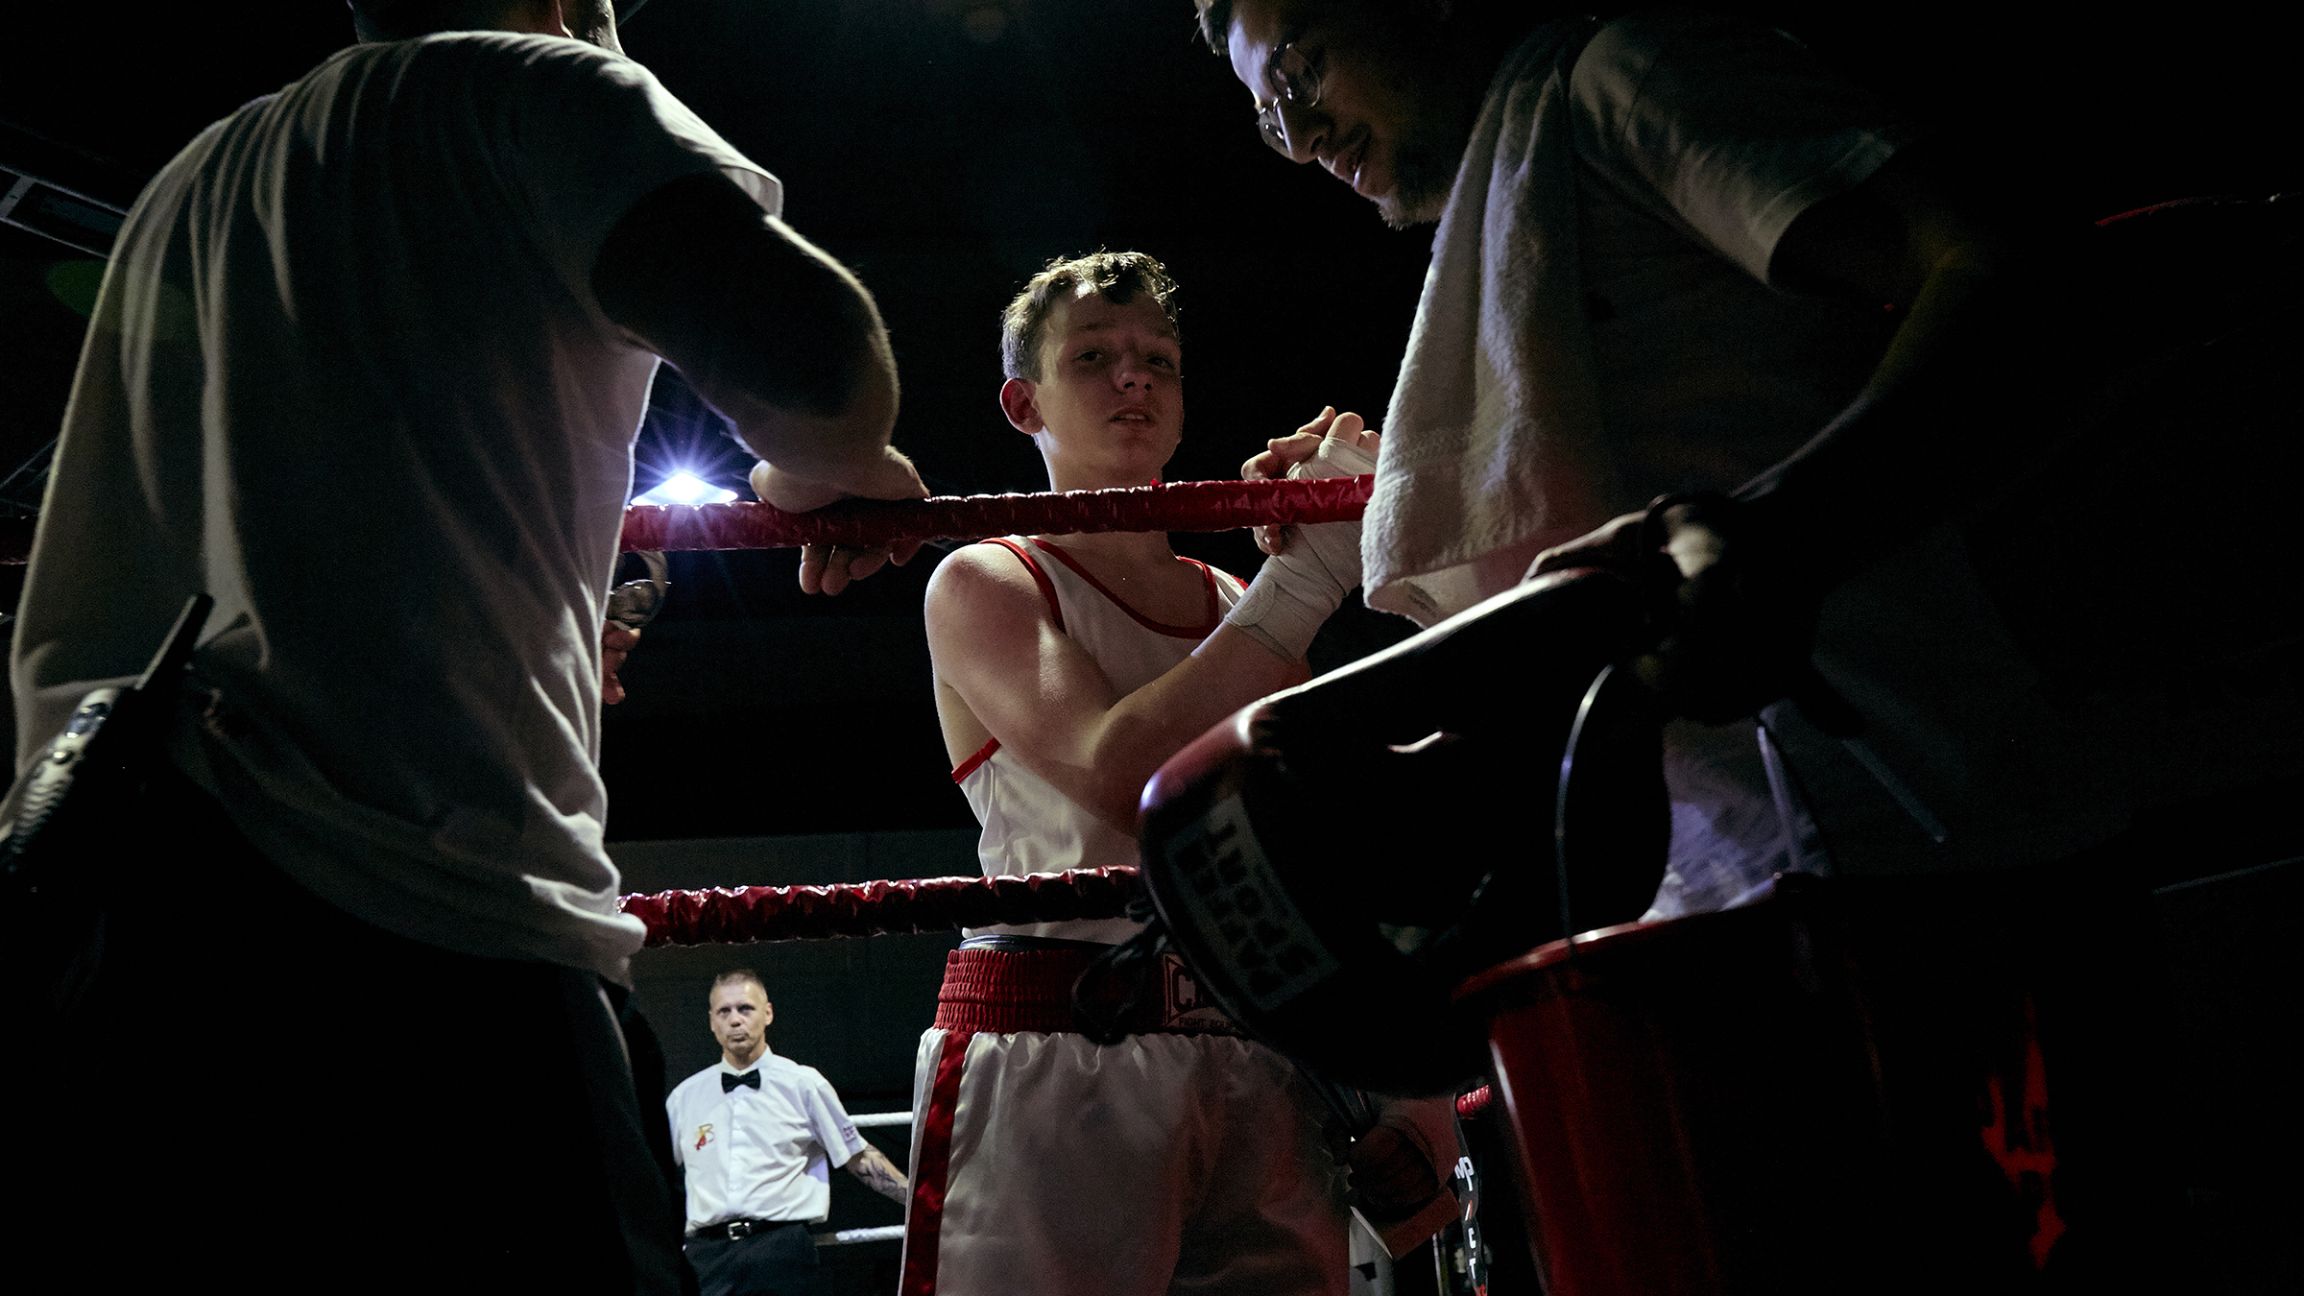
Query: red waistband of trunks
{"x": 1006, "y": 991}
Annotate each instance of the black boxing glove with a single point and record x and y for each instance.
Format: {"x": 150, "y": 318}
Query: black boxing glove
{"x": 1333, "y": 861}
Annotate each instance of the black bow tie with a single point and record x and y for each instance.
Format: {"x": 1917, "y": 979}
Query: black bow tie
{"x": 729, "y": 1081}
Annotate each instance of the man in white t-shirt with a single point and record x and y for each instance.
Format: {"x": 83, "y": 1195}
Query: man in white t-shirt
{"x": 1181, "y": 1156}
{"x": 1664, "y": 246}
{"x": 367, "y": 368}
{"x": 757, "y": 1137}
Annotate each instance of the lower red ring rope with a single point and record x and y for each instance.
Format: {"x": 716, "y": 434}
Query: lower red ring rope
{"x": 738, "y": 915}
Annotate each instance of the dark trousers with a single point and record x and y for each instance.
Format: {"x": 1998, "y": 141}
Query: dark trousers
{"x": 778, "y": 1262}
{"x": 261, "y": 1091}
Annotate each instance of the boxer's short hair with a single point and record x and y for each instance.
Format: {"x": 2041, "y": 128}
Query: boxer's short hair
{"x": 1115, "y": 276}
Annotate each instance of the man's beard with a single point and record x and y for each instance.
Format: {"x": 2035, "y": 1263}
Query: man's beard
{"x": 1422, "y": 179}
{"x": 1424, "y": 166}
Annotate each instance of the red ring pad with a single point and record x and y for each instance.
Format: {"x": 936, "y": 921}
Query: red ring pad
{"x": 1856, "y": 1085}
{"x": 866, "y": 524}
{"x": 739, "y": 915}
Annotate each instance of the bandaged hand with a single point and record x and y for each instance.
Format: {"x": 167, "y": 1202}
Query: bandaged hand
{"x": 1284, "y": 456}
{"x": 1311, "y": 567}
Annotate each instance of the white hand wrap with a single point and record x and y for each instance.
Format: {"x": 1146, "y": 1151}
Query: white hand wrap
{"x": 1297, "y": 590}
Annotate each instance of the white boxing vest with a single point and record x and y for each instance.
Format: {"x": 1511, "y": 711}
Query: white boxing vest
{"x": 1029, "y": 826}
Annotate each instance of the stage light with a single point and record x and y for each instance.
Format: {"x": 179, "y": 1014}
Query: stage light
{"x": 685, "y": 488}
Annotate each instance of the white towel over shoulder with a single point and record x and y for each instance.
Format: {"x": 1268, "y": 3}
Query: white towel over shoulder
{"x": 1493, "y": 435}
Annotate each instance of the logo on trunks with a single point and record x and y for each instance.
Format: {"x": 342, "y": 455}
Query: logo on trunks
{"x": 703, "y": 1134}
{"x": 1259, "y": 934}
{"x": 1183, "y": 991}
{"x": 1186, "y": 1009}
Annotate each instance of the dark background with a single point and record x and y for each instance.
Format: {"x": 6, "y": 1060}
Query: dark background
{"x": 945, "y": 149}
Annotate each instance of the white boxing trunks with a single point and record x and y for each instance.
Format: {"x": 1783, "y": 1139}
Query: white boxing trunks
{"x": 1181, "y": 1158}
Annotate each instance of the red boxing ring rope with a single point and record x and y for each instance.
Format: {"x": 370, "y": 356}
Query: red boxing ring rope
{"x": 738, "y": 915}
{"x": 867, "y": 524}
{"x": 1473, "y": 1105}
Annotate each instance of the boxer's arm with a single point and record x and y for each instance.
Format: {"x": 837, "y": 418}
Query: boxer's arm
{"x": 873, "y": 1168}
{"x": 1050, "y": 705}
{"x": 777, "y": 335}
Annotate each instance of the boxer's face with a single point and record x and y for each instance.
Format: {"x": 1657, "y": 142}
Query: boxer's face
{"x": 1394, "y": 108}
{"x": 1108, "y": 407}
{"x": 740, "y": 1017}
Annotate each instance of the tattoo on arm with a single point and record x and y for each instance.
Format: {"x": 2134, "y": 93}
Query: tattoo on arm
{"x": 880, "y": 1175}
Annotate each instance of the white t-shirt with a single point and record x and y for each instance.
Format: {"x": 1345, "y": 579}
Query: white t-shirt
{"x": 765, "y": 1153}
{"x": 1699, "y": 139}
{"x": 1029, "y": 825}
{"x": 347, "y": 375}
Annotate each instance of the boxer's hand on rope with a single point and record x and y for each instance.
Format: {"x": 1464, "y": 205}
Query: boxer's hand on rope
{"x": 1283, "y": 454}
{"x": 616, "y": 643}
{"x": 1734, "y": 621}
{"x": 829, "y": 569}
{"x": 1311, "y": 568}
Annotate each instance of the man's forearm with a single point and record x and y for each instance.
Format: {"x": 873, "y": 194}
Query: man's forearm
{"x": 1974, "y": 391}
{"x": 775, "y": 333}
{"x": 845, "y": 411}
{"x": 880, "y": 1174}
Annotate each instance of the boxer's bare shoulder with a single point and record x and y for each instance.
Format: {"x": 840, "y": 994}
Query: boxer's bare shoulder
{"x": 1002, "y": 656}
{"x": 1004, "y": 667}
{"x": 987, "y": 614}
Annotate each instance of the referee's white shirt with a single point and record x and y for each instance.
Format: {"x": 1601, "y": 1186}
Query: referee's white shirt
{"x": 765, "y": 1153}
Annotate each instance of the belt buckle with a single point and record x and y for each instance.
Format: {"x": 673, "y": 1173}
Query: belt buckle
{"x": 740, "y": 1228}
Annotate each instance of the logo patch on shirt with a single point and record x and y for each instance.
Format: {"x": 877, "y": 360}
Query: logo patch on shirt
{"x": 703, "y": 1134}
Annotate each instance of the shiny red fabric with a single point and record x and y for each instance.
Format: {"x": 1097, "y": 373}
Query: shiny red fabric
{"x": 932, "y": 1174}
{"x": 1174, "y": 506}
{"x": 1008, "y": 991}
{"x": 735, "y": 915}
{"x": 1470, "y": 1106}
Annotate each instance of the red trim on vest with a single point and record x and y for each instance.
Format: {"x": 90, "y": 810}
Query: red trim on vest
{"x": 1055, "y": 610}
{"x": 967, "y": 767}
{"x": 1207, "y": 576}
{"x": 923, "y": 1222}
{"x": 1039, "y": 577}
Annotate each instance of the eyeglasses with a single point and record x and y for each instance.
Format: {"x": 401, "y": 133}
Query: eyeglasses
{"x": 1295, "y": 82}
